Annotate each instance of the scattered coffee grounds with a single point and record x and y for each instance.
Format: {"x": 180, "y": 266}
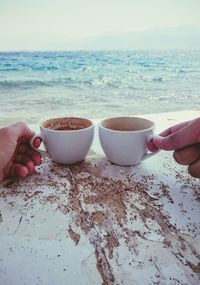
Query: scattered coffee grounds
{"x": 74, "y": 235}
{"x": 110, "y": 206}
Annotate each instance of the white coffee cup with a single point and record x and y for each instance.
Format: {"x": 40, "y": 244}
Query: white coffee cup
{"x": 67, "y": 140}
{"x": 124, "y": 139}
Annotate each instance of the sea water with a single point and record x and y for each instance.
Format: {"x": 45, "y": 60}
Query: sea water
{"x": 34, "y": 85}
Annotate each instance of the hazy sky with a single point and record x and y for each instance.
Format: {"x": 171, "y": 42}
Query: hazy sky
{"x": 77, "y": 19}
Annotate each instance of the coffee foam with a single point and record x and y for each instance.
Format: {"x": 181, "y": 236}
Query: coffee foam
{"x": 67, "y": 124}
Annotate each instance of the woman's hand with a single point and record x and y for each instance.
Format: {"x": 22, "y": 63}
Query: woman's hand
{"x": 17, "y": 158}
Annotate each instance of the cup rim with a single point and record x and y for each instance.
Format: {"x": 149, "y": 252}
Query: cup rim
{"x": 126, "y": 117}
{"x": 66, "y": 131}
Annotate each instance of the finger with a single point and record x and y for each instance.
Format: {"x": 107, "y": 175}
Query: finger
{"x": 36, "y": 142}
{"x": 187, "y": 155}
{"x": 36, "y": 157}
{"x": 26, "y": 161}
{"x": 18, "y": 170}
{"x": 25, "y": 148}
{"x": 31, "y": 166}
{"x": 151, "y": 146}
{"x": 173, "y": 129}
{"x": 25, "y": 158}
{"x": 188, "y": 135}
{"x": 33, "y": 155}
{"x": 194, "y": 169}
{"x": 21, "y": 130}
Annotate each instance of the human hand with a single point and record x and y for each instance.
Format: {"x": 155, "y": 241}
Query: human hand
{"x": 184, "y": 139}
{"x": 17, "y": 158}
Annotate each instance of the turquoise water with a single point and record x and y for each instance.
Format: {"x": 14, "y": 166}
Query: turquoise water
{"x": 97, "y": 84}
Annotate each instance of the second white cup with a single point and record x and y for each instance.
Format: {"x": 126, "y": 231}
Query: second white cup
{"x": 124, "y": 139}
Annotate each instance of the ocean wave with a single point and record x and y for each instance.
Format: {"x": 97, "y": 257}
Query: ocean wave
{"x": 67, "y": 82}
{"x": 27, "y": 67}
{"x": 25, "y": 84}
{"x": 3, "y": 69}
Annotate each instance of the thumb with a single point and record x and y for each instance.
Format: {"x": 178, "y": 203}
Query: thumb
{"x": 22, "y": 130}
{"x": 188, "y": 135}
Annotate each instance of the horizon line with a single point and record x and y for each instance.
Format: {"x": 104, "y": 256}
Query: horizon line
{"x": 99, "y": 50}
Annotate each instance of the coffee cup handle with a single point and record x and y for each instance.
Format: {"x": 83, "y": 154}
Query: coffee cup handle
{"x": 150, "y": 154}
{"x": 37, "y": 149}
